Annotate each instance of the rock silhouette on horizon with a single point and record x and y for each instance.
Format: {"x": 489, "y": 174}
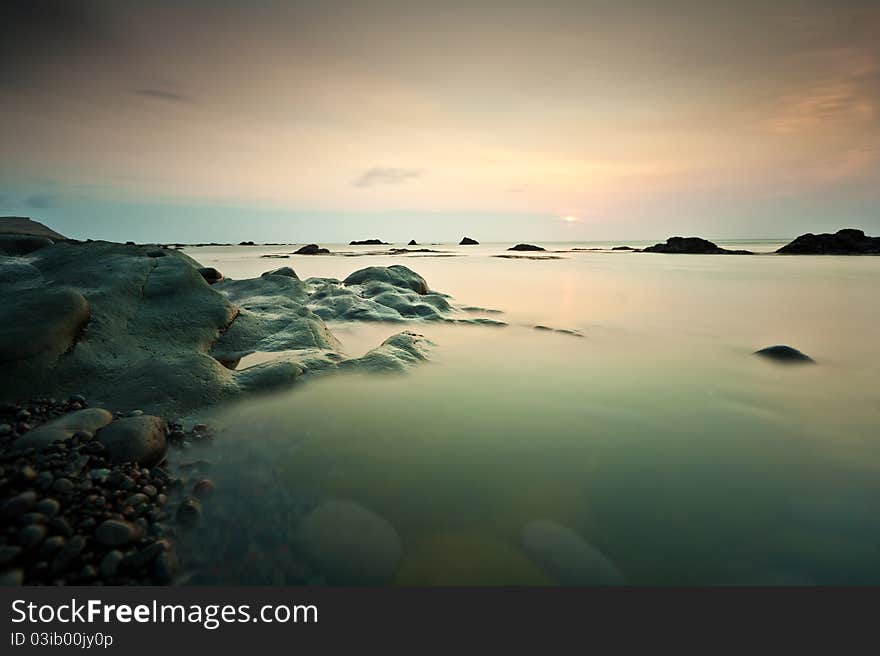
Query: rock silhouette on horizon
{"x": 692, "y": 245}
{"x": 848, "y": 241}
{"x": 467, "y": 241}
{"x": 526, "y": 247}
{"x": 368, "y": 242}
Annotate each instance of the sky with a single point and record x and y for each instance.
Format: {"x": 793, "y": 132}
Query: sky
{"x": 507, "y": 121}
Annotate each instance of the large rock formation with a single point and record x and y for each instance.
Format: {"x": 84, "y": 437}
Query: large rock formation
{"x": 368, "y": 242}
{"x": 467, "y": 241}
{"x": 525, "y": 247}
{"x": 848, "y": 241}
{"x": 692, "y": 245}
{"x": 312, "y": 249}
{"x": 138, "y": 327}
{"x": 22, "y": 225}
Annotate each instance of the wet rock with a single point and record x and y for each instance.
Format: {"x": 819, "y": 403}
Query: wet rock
{"x": 848, "y": 241}
{"x": 165, "y": 566}
{"x": 396, "y": 275}
{"x": 8, "y": 553}
{"x": 567, "y": 556}
{"x": 189, "y": 513}
{"x": 349, "y": 544}
{"x": 18, "y": 505}
{"x": 467, "y": 241}
{"x": 68, "y": 554}
{"x": 88, "y": 420}
{"x": 42, "y": 323}
{"x": 110, "y": 563}
{"x": 30, "y": 536}
{"x": 287, "y": 272}
{"x": 12, "y": 577}
{"x": 22, "y": 244}
{"x": 63, "y": 486}
{"x": 115, "y": 532}
{"x": 211, "y": 275}
{"x": 397, "y": 353}
{"x": 692, "y": 245}
{"x": 785, "y": 354}
{"x": 525, "y": 247}
{"x": 135, "y": 439}
{"x": 204, "y": 489}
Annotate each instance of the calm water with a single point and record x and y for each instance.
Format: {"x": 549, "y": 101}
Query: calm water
{"x": 657, "y": 437}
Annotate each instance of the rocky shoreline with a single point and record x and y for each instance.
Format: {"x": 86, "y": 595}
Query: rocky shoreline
{"x": 74, "y": 514}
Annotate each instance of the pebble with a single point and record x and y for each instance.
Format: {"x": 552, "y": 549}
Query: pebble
{"x": 110, "y": 563}
{"x": 189, "y": 512}
{"x": 51, "y": 545}
{"x": 63, "y": 486}
{"x": 113, "y": 533}
{"x": 5, "y": 429}
{"x": 31, "y": 535}
{"x": 18, "y": 505}
{"x": 165, "y": 567}
{"x": 204, "y": 489}
{"x": 68, "y": 553}
{"x": 8, "y": 553}
{"x": 48, "y": 507}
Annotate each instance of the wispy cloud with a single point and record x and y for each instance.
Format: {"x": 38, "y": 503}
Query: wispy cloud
{"x": 379, "y": 175}
{"x": 162, "y": 94}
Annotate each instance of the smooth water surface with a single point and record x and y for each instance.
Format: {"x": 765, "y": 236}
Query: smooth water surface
{"x": 656, "y": 436}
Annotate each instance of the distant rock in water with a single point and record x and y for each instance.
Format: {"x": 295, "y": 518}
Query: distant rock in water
{"x": 368, "y": 242}
{"x": 785, "y": 354}
{"x": 848, "y": 241}
{"x": 691, "y": 245}
{"x": 467, "y": 241}
{"x": 246, "y": 243}
{"x": 623, "y": 248}
{"x": 413, "y": 242}
{"x": 525, "y": 247}
{"x": 312, "y": 249}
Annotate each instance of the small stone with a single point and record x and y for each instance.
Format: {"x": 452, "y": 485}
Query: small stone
{"x": 33, "y": 518}
{"x": 88, "y": 572}
{"x": 150, "y": 491}
{"x": 61, "y": 526}
{"x": 165, "y": 566}
{"x": 113, "y": 532}
{"x": 136, "y": 499}
{"x": 48, "y": 507}
{"x": 51, "y": 545}
{"x": 99, "y": 475}
{"x": 135, "y": 413}
{"x": 18, "y": 505}
{"x": 31, "y": 535}
{"x": 189, "y": 512}
{"x": 110, "y": 563}
{"x": 8, "y": 553}
{"x": 27, "y": 474}
{"x": 143, "y": 557}
{"x": 12, "y": 577}
{"x": 63, "y": 486}
{"x": 5, "y": 429}
{"x": 204, "y": 489}
{"x": 44, "y": 480}
{"x": 135, "y": 439}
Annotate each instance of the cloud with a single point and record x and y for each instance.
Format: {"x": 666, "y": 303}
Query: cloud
{"x": 42, "y": 201}
{"x": 379, "y": 175}
{"x": 161, "y": 94}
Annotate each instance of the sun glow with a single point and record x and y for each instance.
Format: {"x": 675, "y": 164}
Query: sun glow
{"x": 570, "y": 219}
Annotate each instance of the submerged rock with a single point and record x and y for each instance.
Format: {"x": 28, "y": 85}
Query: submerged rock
{"x": 848, "y": 241}
{"x": 312, "y": 249}
{"x": 349, "y": 544}
{"x": 567, "y": 556}
{"x": 397, "y": 353}
{"x": 692, "y": 245}
{"x": 467, "y": 241}
{"x": 525, "y": 247}
{"x": 785, "y": 354}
